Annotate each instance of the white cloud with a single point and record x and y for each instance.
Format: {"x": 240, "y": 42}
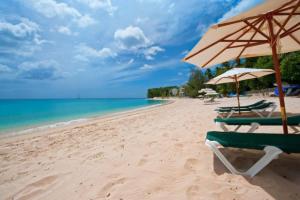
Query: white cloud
{"x": 152, "y": 51}
{"x": 171, "y": 7}
{"x": 202, "y": 28}
{"x": 4, "y": 68}
{"x": 185, "y": 52}
{"x": 85, "y": 21}
{"x": 20, "y": 38}
{"x": 141, "y": 20}
{"x": 243, "y": 5}
{"x": 100, "y": 4}
{"x": 85, "y": 52}
{"x": 132, "y": 74}
{"x": 64, "y": 30}
{"x": 40, "y": 70}
{"x": 52, "y": 8}
{"x": 23, "y": 29}
{"x": 146, "y": 67}
{"x": 130, "y": 61}
{"x": 131, "y": 38}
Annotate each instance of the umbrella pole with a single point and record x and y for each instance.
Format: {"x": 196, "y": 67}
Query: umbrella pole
{"x": 237, "y": 85}
{"x": 278, "y": 77}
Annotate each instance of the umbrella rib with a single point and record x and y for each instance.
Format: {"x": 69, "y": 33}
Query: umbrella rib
{"x": 253, "y": 75}
{"x": 254, "y": 17}
{"x": 259, "y": 31}
{"x": 244, "y": 40}
{"x": 216, "y": 83}
{"x": 287, "y": 14}
{"x": 242, "y": 74}
{"x": 228, "y": 46}
{"x": 288, "y": 30}
{"x": 287, "y": 19}
{"x": 282, "y": 8}
{"x": 286, "y": 33}
{"x": 199, "y": 51}
{"x": 248, "y": 45}
{"x": 263, "y": 21}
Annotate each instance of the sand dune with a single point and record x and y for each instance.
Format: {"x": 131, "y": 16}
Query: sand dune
{"x": 158, "y": 153}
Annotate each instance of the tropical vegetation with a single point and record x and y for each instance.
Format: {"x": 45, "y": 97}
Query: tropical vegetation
{"x": 290, "y": 71}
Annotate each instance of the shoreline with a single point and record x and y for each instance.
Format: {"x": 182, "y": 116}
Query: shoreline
{"x": 34, "y": 130}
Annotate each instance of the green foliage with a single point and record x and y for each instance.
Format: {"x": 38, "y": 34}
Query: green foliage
{"x": 160, "y": 92}
{"x": 225, "y": 88}
{"x": 290, "y": 71}
{"x": 290, "y": 68}
{"x": 208, "y": 74}
{"x": 264, "y": 62}
{"x": 195, "y": 83}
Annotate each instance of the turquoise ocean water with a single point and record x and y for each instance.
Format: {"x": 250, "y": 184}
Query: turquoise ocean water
{"x": 27, "y": 113}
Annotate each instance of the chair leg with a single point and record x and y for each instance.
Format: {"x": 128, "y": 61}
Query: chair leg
{"x": 271, "y": 153}
{"x": 253, "y": 127}
{"x": 213, "y": 145}
{"x": 231, "y": 113}
{"x": 258, "y": 112}
{"x": 237, "y": 128}
{"x": 295, "y": 129}
{"x": 272, "y": 111}
{"x": 222, "y": 125}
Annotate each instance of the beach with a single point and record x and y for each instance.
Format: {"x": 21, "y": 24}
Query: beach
{"x": 154, "y": 153}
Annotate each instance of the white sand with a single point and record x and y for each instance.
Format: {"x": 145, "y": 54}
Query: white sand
{"x": 157, "y": 153}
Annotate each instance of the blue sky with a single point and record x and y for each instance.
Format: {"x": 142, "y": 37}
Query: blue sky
{"x": 101, "y": 48}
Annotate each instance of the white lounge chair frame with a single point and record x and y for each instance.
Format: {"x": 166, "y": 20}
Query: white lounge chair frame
{"x": 256, "y": 111}
{"x": 210, "y": 100}
{"x": 253, "y": 127}
{"x": 271, "y": 154}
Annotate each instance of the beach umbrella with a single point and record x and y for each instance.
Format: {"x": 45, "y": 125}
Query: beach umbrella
{"x": 236, "y": 75}
{"x": 268, "y": 29}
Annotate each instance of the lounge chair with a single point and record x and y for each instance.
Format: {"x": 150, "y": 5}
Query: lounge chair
{"x": 254, "y": 123}
{"x": 247, "y": 106}
{"x": 211, "y": 100}
{"x": 272, "y": 144}
{"x": 259, "y": 109}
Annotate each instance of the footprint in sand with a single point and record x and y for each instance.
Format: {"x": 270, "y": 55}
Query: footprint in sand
{"x": 108, "y": 188}
{"x": 192, "y": 164}
{"x": 165, "y": 135}
{"x": 142, "y": 162}
{"x": 151, "y": 143}
{"x": 119, "y": 147}
{"x": 36, "y": 188}
{"x": 179, "y": 146}
{"x": 193, "y": 192}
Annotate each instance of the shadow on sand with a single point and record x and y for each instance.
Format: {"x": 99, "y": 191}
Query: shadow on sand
{"x": 280, "y": 176}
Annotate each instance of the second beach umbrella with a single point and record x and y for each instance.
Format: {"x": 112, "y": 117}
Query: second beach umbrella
{"x": 236, "y": 75}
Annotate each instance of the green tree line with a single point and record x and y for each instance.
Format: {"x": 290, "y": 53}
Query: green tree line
{"x": 161, "y": 92}
{"x": 289, "y": 66}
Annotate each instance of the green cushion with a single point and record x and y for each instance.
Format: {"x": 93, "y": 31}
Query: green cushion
{"x": 292, "y": 121}
{"x": 248, "y": 109}
{"x": 254, "y": 104}
{"x": 288, "y": 143}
